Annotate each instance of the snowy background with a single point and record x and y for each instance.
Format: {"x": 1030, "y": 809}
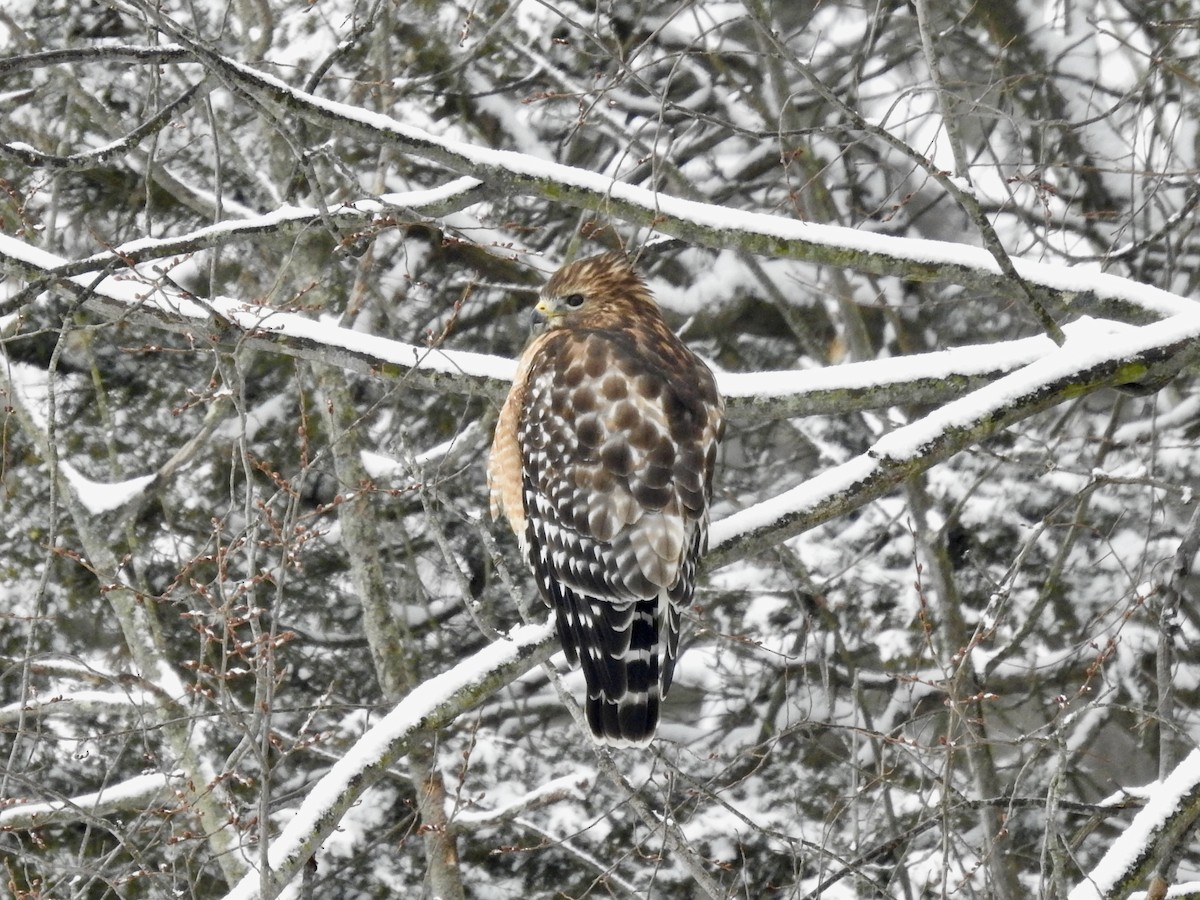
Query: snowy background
{"x": 266, "y": 268}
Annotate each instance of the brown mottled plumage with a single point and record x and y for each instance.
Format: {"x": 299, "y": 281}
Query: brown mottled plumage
{"x": 602, "y": 463}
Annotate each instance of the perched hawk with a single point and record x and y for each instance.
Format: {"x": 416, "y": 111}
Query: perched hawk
{"x": 603, "y": 464}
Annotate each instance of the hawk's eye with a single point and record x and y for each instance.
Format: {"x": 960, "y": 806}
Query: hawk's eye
{"x": 573, "y": 301}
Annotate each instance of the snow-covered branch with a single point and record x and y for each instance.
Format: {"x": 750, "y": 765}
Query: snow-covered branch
{"x": 1085, "y": 363}
{"x": 1168, "y": 817}
{"x": 431, "y": 706}
{"x": 223, "y": 320}
{"x": 919, "y": 379}
{"x": 923, "y": 378}
{"x": 454, "y": 194}
{"x": 134, "y": 795}
{"x": 566, "y": 787}
{"x": 710, "y": 225}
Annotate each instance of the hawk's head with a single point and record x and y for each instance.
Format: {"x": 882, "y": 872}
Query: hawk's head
{"x": 599, "y": 292}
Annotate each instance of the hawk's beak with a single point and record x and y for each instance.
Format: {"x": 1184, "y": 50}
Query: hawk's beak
{"x": 541, "y": 316}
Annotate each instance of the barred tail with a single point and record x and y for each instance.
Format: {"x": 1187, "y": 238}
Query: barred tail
{"x": 627, "y": 650}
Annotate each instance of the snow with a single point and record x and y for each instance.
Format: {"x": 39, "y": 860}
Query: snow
{"x": 1181, "y": 786}
{"x": 724, "y": 220}
{"x": 419, "y": 198}
{"x": 380, "y": 467}
{"x": 1089, "y": 345}
{"x": 376, "y": 748}
{"x": 127, "y": 794}
{"x": 130, "y": 290}
{"x": 970, "y": 360}
{"x": 1081, "y": 353}
{"x": 73, "y": 702}
{"x": 285, "y": 215}
{"x": 99, "y": 497}
{"x": 27, "y": 253}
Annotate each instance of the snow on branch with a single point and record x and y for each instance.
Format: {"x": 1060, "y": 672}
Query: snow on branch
{"x": 574, "y": 786}
{"x": 99, "y": 497}
{"x": 923, "y": 378}
{"x": 432, "y": 705}
{"x": 1092, "y": 358}
{"x": 225, "y": 321}
{"x": 707, "y": 224}
{"x": 1170, "y": 813}
{"x": 73, "y": 703}
{"x": 449, "y": 197}
{"x": 919, "y": 379}
{"x": 134, "y": 795}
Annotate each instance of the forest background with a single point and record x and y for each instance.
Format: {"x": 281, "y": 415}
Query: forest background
{"x": 266, "y": 266}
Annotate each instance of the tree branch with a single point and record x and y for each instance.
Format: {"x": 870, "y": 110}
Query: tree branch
{"x": 914, "y": 380}
{"x": 29, "y": 156}
{"x": 135, "y": 795}
{"x": 425, "y": 204}
{"x": 1169, "y": 815}
{"x": 104, "y": 54}
{"x": 710, "y": 225}
{"x": 1149, "y": 352}
{"x": 433, "y": 705}
{"x": 206, "y": 793}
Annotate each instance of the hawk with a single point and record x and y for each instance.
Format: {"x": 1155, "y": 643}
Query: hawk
{"x": 602, "y": 462}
